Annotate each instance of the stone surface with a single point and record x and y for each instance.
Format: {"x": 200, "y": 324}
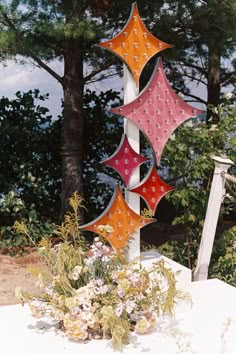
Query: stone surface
{"x": 209, "y": 326}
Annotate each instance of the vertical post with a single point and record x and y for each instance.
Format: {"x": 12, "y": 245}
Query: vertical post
{"x": 212, "y": 214}
{"x": 131, "y": 130}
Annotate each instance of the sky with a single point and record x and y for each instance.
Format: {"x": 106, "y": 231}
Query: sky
{"x": 15, "y": 77}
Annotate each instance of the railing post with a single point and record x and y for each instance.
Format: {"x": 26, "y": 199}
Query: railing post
{"x": 213, "y": 209}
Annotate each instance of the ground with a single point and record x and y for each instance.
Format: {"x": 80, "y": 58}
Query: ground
{"x": 14, "y": 273}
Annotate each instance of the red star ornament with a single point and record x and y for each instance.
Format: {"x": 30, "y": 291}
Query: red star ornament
{"x": 125, "y": 160}
{"x": 152, "y": 189}
{"x": 135, "y": 45}
{"x": 158, "y": 110}
{"x": 121, "y": 218}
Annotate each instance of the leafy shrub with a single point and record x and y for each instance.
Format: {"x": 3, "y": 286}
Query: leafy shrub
{"x": 223, "y": 260}
{"x": 187, "y": 164}
{"x": 14, "y": 243}
{"x": 30, "y": 162}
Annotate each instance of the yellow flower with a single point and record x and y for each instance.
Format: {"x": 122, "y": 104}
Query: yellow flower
{"x": 75, "y": 329}
{"x": 142, "y": 326}
{"x": 124, "y": 284}
{"x": 39, "y": 282}
{"x": 38, "y": 308}
{"x": 18, "y": 293}
{"x": 61, "y": 300}
{"x": 69, "y": 302}
{"x": 145, "y": 324}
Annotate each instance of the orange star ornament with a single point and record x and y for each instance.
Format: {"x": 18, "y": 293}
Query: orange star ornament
{"x": 135, "y": 45}
{"x": 123, "y": 220}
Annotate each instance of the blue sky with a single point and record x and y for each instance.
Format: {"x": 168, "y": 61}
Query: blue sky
{"x": 15, "y": 77}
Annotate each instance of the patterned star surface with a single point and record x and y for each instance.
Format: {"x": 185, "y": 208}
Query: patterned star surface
{"x": 152, "y": 189}
{"x": 121, "y": 218}
{"x": 158, "y": 110}
{"x": 125, "y": 160}
{"x": 135, "y": 45}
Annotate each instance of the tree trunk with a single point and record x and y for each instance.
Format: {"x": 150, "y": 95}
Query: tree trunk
{"x": 214, "y": 57}
{"x": 213, "y": 89}
{"x": 72, "y": 148}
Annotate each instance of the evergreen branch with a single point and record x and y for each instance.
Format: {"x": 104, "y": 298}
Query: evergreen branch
{"x": 196, "y": 67}
{"x": 102, "y": 77}
{"x": 47, "y": 68}
{"x": 196, "y": 98}
{"x": 228, "y": 77}
{"x": 192, "y": 78}
{"x": 54, "y": 10}
{"x": 98, "y": 71}
{"x": 19, "y": 35}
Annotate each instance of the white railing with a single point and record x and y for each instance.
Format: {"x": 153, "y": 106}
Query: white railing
{"x": 216, "y": 198}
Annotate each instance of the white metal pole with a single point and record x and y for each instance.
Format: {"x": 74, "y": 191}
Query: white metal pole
{"x": 213, "y": 209}
{"x": 131, "y": 130}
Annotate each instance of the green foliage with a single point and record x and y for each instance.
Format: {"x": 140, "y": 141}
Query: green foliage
{"x": 78, "y": 28}
{"x": 181, "y": 251}
{"x": 30, "y": 166}
{"x": 103, "y": 134}
{"x": 223, "y": 260}
{"x": 30, "y": 170}
{"x": 13, "y": 242}
{"x": 43, "y": 30}
{"x": 116, "y": 327}
{"x": 188, "y": 165}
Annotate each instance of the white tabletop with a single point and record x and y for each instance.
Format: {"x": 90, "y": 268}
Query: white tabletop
{"x": 208, "y": 327}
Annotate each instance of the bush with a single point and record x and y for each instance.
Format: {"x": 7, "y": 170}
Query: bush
{"x": 187, "y": 164}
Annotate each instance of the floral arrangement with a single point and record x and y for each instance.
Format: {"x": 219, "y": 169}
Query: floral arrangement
{"x": 92, "y": 291}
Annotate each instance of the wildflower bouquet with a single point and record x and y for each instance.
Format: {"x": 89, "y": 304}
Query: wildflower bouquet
{"x": 93, "y": 292}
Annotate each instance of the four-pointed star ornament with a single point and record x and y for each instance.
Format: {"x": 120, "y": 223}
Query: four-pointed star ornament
{"x": 135, "y": 45}
{"x": 123, "y": 220}
{"x": 152, "y": 189}
{"x": 125, "y": 160}
{"x": 158, "y": 110}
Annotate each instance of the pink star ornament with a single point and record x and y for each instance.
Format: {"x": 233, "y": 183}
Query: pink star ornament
{"x": 125, "y": 160}
{"x": 152, "y": 189}
{"x": 158, "y": 110}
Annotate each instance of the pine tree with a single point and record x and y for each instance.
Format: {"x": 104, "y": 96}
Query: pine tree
{"x": 43, "y": 30}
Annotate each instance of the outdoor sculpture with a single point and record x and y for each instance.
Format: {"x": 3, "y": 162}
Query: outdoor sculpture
{"x": 157, "y": 111}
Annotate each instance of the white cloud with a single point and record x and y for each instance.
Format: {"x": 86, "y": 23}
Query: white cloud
{"x": 15, "y": 77}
